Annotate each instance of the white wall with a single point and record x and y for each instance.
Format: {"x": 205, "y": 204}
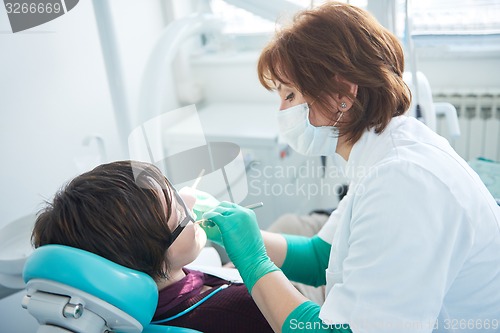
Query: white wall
{"x": 53, "y": 93}
{"x": 460, "y": 74}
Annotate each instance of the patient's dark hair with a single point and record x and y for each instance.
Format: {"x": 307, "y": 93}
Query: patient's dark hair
{"x": 113, "y": 211}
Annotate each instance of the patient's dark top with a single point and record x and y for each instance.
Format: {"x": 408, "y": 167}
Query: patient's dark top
{"x": 230, "y": 310}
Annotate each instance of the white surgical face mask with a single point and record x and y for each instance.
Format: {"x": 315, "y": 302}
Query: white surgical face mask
{"x": 303, "y": 137}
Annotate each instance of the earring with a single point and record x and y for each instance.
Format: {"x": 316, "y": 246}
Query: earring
{"x": 343, "y": 105}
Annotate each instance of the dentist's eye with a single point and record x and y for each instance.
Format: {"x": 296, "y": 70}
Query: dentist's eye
{"x": 290, "y": 97}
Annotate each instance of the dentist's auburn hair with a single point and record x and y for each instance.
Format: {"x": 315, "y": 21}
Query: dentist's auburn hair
{"x": 113, "y": 211}
{"x": 329, "y": 44}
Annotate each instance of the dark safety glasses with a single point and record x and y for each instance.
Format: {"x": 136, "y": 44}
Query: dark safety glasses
{"x": 183, "y": 213}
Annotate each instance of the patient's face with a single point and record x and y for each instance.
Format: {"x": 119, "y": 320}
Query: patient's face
{"x": 191, "y": 240}
{"x": 188, "y": 245}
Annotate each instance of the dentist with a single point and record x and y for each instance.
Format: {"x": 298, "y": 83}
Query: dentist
{"x": 414, "y": 245}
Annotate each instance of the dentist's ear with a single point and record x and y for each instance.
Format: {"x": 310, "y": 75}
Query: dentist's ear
{"x": 345, "y": 102}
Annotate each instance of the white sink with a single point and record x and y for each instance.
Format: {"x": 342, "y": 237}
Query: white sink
{"x": 15, "y": 248}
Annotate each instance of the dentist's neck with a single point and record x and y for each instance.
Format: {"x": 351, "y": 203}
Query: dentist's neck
{"x": 344, "y": 147}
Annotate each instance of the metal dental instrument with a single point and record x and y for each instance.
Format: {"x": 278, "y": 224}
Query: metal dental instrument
{"x": 209, "y": 224}
{"x": 255, "y": 205}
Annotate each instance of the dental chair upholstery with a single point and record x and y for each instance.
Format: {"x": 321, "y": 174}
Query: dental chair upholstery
{"x": 72, "y": 290}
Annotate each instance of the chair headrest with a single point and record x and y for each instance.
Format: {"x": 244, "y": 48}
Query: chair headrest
{"x": 131, "y": 291}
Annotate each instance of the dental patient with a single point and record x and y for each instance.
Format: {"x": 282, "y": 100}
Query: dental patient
{"x": 129, "y": 213}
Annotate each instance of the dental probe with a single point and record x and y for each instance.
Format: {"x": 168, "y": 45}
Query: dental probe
{"x": 209, "y": 224}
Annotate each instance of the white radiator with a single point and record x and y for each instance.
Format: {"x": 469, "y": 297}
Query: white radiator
{"x": 479, "y": 120}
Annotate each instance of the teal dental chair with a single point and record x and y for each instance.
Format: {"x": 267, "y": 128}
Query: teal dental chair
{"x": 74, "y": 291}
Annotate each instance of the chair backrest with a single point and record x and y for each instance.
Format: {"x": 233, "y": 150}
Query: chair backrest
{"x": 72, "y": 290}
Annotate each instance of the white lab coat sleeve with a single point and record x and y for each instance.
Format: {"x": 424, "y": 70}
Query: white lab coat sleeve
{"x": 406, "y": 241}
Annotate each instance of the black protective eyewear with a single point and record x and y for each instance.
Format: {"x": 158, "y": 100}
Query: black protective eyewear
{"x": 183, "y": 213}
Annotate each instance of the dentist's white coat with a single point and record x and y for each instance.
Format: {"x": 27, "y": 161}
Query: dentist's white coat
{"x": 416, "y": 238}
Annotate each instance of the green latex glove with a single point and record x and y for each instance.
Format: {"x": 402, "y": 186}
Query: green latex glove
{"x": 204, "y": 203}
{"x": 243, "y": 241}
{"x": 213, "y": 233}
